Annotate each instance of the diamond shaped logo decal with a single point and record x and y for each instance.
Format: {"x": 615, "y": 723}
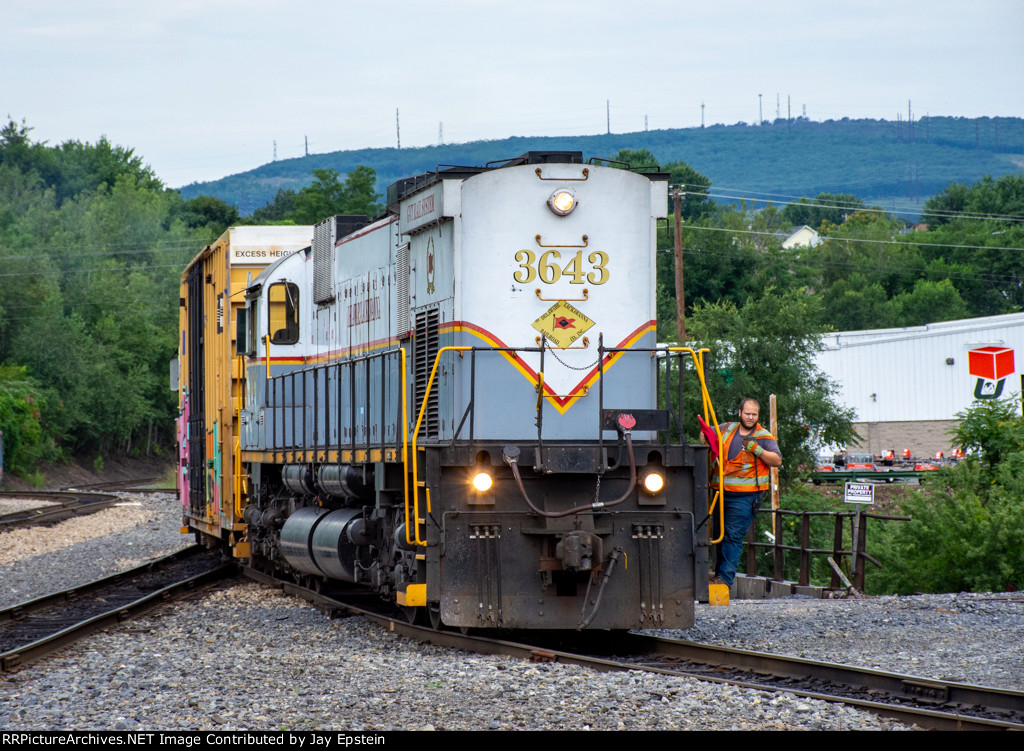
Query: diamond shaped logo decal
{"x": 562, "y": 324}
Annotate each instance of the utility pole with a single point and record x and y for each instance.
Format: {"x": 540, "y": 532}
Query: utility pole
{"x": 307, "y": 145}
{"x": 680, "y": 293}
{"x": 608, "y": 114}
{"x": 275, "y": 150}
{"x": 773, "y": 473}
{"x": 760, "y": 112}
{"x": 645, "y": 123}
{"x": 398, "y": 133}
{"x": 440, "y": 133}
{"x": 702, "y": 114}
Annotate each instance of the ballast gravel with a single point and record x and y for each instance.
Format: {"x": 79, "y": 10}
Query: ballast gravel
{"x": 248, "y": 657}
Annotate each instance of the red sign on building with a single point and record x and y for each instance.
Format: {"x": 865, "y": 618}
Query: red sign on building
{"x": 990, "y": 363}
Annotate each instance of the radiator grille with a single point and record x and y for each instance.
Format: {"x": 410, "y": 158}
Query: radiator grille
{"x": 323, "y": 262}
{"x": 424, "y": 351}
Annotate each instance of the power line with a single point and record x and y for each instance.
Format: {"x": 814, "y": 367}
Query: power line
{"x": 51, "y": 249}
{"x": 96, "y": 271}
{"x": 826, "y": 238}
{"x": 148, "y": 306}
{"x": 740, "y": 194}
{"x": 871, "y": 270}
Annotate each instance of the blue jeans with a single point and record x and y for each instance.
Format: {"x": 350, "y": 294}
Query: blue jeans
{"x": 740, "y": 509}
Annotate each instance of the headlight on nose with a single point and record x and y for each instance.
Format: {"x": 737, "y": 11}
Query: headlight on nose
{"x": 482, "y": 482}
{"x": 653, "y": 482}
{"x": 562, "y": 201}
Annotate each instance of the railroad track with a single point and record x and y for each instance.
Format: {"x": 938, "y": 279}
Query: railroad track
{"x": 59, "y": 505}
{"x": 33, "y": 629}
{"x": 145, "y": 485}
{"x": 928, "y": 703}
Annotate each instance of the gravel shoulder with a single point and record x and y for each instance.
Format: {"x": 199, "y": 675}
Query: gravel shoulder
{"x": 963, "y": 637}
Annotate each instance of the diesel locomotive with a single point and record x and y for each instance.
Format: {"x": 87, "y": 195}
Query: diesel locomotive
{"x": 459, "y": 404}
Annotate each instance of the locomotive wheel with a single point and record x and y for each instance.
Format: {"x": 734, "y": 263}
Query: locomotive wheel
{"x": 434, "y": 615}
{"x": 428, "y": 615}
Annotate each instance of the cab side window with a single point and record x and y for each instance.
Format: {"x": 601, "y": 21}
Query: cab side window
{"x": 283, "y": 313}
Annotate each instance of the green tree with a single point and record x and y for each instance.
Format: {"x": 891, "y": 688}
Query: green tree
{"x": 360, "y": 192}
{"x": 965, "y": 533}
{"x": 327, "y": 195}
{"x": 991, "y": 430}
{"x": 1000, "y": 200}
{"x": 207, "y": 213}
{"x": 975, "y": 233}
{"x": 26, "y": 437}
{"x": 276, "y": 210}
{"x": 928, "y": 302}
{"x": 91, "y": 247}
{"x": 764, "y": 347}
{"x": 854, "y": 304}
{"x": 637, "y": 159}
{"x": 825, "y": 207}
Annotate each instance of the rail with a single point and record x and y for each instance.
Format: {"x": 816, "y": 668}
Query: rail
{"x": 354, "y": 415}
{"x": 34, "y": 628}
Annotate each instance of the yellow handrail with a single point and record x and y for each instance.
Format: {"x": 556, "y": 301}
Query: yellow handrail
{"x": 709, "y": 411}
{"x": 415, "y": 446}
{"x": 237, "y": 463}
{"x": 405, "y": 445}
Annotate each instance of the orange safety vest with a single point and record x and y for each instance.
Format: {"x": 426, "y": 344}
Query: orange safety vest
{"x": 746, "y": 473}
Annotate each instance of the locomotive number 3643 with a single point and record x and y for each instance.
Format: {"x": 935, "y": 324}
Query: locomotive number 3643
{"x": 548, "y": 267}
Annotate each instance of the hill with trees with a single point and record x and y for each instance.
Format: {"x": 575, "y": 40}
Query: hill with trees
{"x": 892, "y": 164}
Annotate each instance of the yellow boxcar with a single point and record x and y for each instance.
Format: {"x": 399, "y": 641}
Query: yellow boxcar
{"x": 212, "y": 373}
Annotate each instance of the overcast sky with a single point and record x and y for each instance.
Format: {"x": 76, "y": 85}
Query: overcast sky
{"x": 204, "y": 89}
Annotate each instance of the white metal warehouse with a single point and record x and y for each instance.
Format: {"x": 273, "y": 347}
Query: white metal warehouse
{"x": 907, "y": 385}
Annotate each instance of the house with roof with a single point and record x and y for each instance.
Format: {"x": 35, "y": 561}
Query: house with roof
{"x": 802, "y": 237}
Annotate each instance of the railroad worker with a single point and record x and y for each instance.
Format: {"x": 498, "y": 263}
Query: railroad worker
{"x": 749, "y": 452}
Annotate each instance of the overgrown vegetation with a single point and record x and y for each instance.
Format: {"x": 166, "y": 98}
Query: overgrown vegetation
{"x": 966, "y": 533}
{"x": 325, "y": 197}
{"x": 91, "y": 248}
